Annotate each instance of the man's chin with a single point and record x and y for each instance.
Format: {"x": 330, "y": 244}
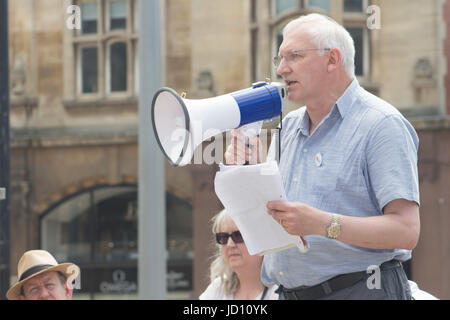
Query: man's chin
{"x": 295, "y": 99}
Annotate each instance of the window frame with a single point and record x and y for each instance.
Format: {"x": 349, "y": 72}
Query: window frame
{"x": 108, "y": 45}
{"x": 366, "y": 52}
{"x": 317, "y": 9}
{"x": 79, "y": 32}
{"x": 79, "y": 70}
{"x": 107, "y": 16}
{"x": 274, "y": 44}
{"x": 102, "y": 40}
{"x": 273, "y": 9}
{"x": 359, "y": 20}
{"x": 347, "y": 19}
{"x": 365, "y": 4}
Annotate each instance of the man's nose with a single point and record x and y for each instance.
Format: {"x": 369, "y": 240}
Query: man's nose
{"x": 43, "y": 293}
{"x": 283, "y": 67}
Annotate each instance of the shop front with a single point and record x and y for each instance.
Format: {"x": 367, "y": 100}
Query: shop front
{"x": 96, "y": 228}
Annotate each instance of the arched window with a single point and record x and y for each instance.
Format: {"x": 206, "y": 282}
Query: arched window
{"x": 96, "y": 228}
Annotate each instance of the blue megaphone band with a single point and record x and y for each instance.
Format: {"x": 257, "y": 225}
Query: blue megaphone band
{"x": 258, "y": 103}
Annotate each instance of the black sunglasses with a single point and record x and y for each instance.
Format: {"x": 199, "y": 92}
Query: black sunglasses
{"x": 222, "y": 237}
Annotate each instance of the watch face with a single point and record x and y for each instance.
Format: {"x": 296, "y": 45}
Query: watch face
{"x": 333, "y": 231}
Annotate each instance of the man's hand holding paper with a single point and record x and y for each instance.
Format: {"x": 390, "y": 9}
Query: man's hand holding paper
{"x": 245, "y": 191}
{"x": 299, "y": 218}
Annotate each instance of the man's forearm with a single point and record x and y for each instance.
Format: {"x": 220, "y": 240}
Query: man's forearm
{"x": 398, "y": 227}
{"x": 378, "y": 232}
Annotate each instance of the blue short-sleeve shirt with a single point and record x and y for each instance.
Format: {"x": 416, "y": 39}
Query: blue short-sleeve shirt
{"x": 361, "y": 156}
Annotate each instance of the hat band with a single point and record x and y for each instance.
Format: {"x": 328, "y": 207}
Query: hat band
{"x": 34, "y": 270}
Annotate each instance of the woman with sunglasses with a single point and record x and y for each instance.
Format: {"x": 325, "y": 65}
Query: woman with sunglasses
{"x": 234, "y": 273}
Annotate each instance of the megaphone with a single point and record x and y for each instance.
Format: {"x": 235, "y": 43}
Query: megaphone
{"x": 176, "y": 120}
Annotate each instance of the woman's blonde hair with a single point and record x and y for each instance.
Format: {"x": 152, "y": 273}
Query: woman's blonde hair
{"x": 219, "y": 266}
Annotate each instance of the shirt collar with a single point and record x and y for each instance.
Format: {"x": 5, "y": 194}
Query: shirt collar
{"x": 304, "y": 123}
{"x": 347, "y": 98}
{"x": 343, "y": 104}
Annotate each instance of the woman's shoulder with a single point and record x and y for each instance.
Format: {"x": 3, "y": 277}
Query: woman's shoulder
{"x": 214, "y": 291}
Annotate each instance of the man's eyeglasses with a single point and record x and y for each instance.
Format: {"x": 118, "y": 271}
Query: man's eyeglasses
{"x": 293, "y": 55}
{"x": 222, "y": 237}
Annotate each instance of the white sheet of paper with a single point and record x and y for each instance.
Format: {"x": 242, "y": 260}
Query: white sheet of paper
{"x": 244, "y": 192}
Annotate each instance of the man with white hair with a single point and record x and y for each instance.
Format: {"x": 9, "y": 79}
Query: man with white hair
{"x": 349, "y": 167}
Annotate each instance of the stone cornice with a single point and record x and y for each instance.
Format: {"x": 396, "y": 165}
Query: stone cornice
{"x": 23, "y": 101}
{"x": 94, "y": 104}
{"x": 431, "y": 123}
{"x": 73, "y": 136}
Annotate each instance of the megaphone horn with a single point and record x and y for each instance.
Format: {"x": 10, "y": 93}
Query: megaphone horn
{"x": 173, "y": 116}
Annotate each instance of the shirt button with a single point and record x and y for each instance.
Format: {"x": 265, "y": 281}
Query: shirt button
{"x": 295, "y": 179}
{"x": 305, "y": 150}
{"x": 281, "y": 273}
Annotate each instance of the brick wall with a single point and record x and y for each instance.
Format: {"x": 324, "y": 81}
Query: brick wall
{"x": 431, "y": 257}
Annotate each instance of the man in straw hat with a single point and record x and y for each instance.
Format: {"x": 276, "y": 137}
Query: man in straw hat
{"x": 42, "y": 278}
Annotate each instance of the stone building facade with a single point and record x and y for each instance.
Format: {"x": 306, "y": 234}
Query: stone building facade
{"x": 74, "y": 100}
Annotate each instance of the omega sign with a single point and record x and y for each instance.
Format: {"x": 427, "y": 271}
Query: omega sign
{"x": 119, "y": 284}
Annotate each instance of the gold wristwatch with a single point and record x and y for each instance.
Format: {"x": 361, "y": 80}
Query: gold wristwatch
{"x": 334, "y": 230}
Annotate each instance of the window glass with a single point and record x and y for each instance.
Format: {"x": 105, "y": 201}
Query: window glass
{"x": 117, "y": 15}
{"x": 66, "y": 232}
{"x": 322, "y": 4}
{"x": 97, "y": 230}
{"x": 353, "y": 5}
{"x": 116, "y": 215}
{"x": 95, "y": 225}
{"x": 179, "y": 245}
{"x": 278, "y": 41}
{"x": 88, "y": 17}
{"x": 357, "y": 35}
{"x": 136, "y": 68}
{"x": 284, "y": 5}
{"x": 118, "y": 66}
{"x": 89, "y": 72}
{"x": 179, "y": 228}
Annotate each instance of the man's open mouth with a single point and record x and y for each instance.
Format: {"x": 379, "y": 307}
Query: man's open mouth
{"x": 288, "y": 82}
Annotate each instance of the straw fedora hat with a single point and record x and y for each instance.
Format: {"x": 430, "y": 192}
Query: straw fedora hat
{"x": 35, "y": 262}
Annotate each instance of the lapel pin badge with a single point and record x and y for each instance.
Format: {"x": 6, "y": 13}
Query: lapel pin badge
{"x": 318, "y": 159}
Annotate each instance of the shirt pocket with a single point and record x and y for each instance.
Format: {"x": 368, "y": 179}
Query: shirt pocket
{"x": 324, "y": 170}
{"x": 351, "y": 188}
{"x": 351, "y": 179}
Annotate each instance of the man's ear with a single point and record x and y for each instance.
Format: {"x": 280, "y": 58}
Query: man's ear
{"x": 334, "y": 59}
